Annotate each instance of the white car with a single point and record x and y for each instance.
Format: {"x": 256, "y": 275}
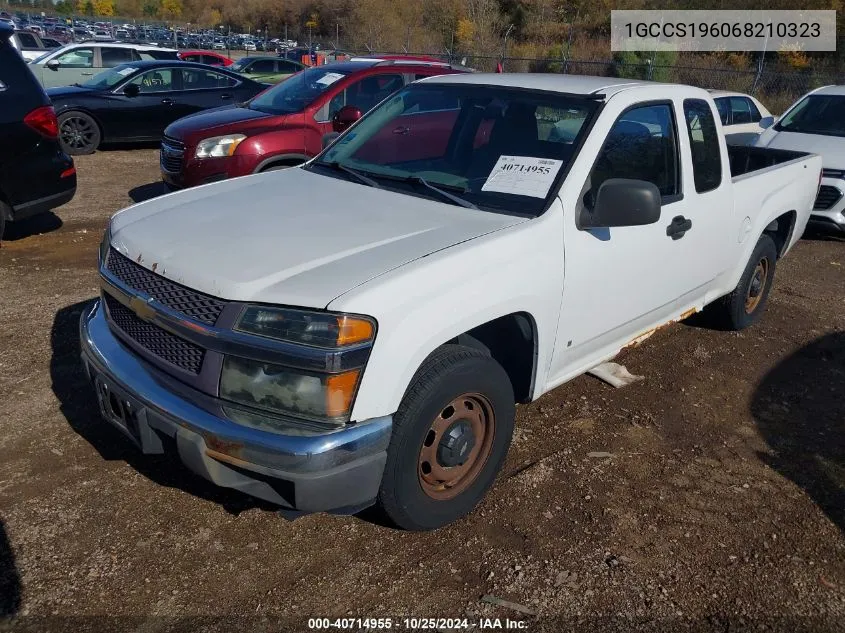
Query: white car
{"x": 249, "y": 46}
{"x": 816, "y": 123}
{"x": 453, "y": 260}
{"x": 77, "y": 63}
{"x": 743, "y": 117}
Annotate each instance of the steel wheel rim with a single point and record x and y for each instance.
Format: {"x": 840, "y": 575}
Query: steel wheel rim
{"x": 757, "y": 286}
{"x": 442, "y": 482}
{"x": 77, "y": 132}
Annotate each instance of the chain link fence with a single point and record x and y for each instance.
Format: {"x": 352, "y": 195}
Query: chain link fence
{"x": 777, "y": 90}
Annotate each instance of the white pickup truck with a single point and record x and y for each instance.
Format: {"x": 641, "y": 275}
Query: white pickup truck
{"x": 358, "y": 330}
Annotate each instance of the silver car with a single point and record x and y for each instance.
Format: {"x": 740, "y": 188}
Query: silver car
{"x": 77, "y": 63}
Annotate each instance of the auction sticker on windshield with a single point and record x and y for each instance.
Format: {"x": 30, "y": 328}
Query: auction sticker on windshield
{"x": 126, "y": 71}
{"x": 523, "y": 176}
{"x": 329, "y": 78}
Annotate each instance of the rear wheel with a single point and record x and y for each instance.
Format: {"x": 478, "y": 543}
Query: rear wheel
{"x": 746, "y": 304}
{"x": 450, "y": 437}
{"x": 78, "y": 133}
{"x": 280, "y": 166}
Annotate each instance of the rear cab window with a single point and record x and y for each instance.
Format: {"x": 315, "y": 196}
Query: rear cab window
{"x": 704, "y": 145}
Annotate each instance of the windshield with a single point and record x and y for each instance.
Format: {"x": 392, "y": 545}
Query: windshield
{"x": 816, "y": 114}
{"x": 109, "y": 78}
{"x": 297, "y": 92}
{"x": 495, "y": 148}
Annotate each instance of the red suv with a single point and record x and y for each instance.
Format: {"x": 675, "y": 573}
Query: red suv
{"x": 284, "y": 125}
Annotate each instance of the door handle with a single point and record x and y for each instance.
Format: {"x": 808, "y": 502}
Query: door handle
{"x": 679, "y": 226}
{"x": 167, "y": 101}
{"x": 86, "y": 74}
{"x": 226, "y": 96}
{"x": 402, "y": 129}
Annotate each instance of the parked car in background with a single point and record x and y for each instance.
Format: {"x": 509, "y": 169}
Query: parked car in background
{"x": 283, "y": 126}
{"x": 816, "y": 123}
{"x": 28, "y": 44}
{"x": 137, "y": 101}
{"x": 206, "y": 57}
{"x": 743, "y": 117}
{"x": 50, "y": 44}
{"x": 249, "y": 45}
{"x": 269, "y": 70}
{"x": 219, "y": 45}
{"x": 77, "y": 63}
{"x": 35, "y": 174}
{"x": 363, "y": 334}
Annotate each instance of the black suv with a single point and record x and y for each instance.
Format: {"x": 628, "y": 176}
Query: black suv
{"x": 35, "y": 174}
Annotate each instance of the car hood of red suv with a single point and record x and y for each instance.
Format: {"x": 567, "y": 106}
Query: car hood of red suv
{"x": 226, "y": 120}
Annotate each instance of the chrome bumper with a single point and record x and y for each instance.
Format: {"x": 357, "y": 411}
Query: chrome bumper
{"x": 336, "y": 470}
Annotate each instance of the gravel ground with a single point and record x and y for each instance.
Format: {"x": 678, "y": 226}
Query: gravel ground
{"x": 710, "y": 496}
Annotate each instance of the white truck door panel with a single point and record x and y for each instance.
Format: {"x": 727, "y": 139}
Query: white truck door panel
{"x": 624, "y": 281}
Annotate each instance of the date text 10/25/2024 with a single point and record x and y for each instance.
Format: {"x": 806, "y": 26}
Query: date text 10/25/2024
{"x": 416, "y": 624}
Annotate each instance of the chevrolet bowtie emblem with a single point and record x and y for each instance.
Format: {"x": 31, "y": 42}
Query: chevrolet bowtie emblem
{"x": 142, "y": 308}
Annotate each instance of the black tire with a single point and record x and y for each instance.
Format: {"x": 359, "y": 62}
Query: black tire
{"x": 451, "y": 373}
{"x": 79, "y": 133}
{"x": 747, "y": 303}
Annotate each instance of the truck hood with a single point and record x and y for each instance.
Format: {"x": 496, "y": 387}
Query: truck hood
{"x": 290, "y": 237}
{"x": 224, "y": 117}
{"x": 830, "y": 148}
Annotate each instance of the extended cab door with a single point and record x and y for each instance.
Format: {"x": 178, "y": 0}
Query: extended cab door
{"x": 622, "y": 282}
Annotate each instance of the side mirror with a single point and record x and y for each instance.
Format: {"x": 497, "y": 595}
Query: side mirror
{"x": 329, "y": 138}
{"x": 623, "y": 202}
{"x": 53, "y": 64}
{"x": 132, "y": 90}
{"x": 345, "y": 117}
{"x": 766, "y": 122}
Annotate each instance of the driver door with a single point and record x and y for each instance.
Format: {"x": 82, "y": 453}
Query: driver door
{"x": 75, "y": 66}
{"x": 146, "y": 115}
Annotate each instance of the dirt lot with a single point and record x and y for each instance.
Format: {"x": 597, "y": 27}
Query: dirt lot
{"x": 716, "y": 500}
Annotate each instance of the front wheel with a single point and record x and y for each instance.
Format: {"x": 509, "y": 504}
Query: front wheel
{"x": 450, "y": 437}
{"x": 78, "y": 133}
{"x": 746, "y": 304}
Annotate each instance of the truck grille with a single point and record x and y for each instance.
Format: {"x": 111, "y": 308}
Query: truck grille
{"x": 193, "y": 304}
{"x": 164, "y": 345}
{"x": 172, "y": 153}
{"x": 828, "y": 196}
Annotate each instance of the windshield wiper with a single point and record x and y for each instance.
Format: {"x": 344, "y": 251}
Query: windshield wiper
{"x": 361, "y": 177}
{"x": 456, "y": 199}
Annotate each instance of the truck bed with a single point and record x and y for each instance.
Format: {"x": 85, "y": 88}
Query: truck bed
{"x": 745, "y": 159}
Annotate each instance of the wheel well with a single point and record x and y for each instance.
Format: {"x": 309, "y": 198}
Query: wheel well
{"x": 512, "y": 342}
{"x": 282, "y": 162}
{"x": 780, "y": 230}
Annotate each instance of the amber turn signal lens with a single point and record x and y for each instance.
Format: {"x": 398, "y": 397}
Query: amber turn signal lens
{"x": 351, "y": 330}
{"x": 340, "y": 389}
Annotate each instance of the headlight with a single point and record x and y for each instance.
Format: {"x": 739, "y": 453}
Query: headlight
{"x": 320, "y": 329}
{"x": 323, "y": 397}
{"x": 219, "y": 146}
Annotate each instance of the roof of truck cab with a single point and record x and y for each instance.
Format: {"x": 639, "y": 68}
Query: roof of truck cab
{"x": 572, "y": 84}
{"x": 831, "y": 90}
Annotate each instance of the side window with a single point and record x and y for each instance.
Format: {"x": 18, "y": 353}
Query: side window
{"x": 263, "y": 66}
{"x": 366, "y": 93}
{"x": 641, "y": 145}
{"x": 77, "y": 58}
{"x": 724, "y": 108}
{"x": 115, "y": 56}
{"x": 211, "y": 61}
{"x": 158, "y": 80}
{"x": 755, "y": 113}
{"x": 287, "y": 67}
{"x": 27, "y": 40}
{"x": 740, "y": 110}
{"x": 704, "y": 145}
{"x": 198, "y": 79}
{"x": 193, "y": 57}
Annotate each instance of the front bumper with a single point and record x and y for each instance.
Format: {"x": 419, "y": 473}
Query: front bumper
{"x": 833, "y": 217}
{"x": 339, "y": 470}
{"x": 195, "y": 172}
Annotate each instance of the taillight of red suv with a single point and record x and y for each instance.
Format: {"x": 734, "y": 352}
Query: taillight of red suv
{"x": 43, "y": 120}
